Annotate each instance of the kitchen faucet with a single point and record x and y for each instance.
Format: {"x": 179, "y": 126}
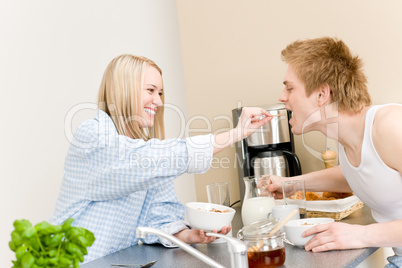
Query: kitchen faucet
{"x": 237, "y": 249}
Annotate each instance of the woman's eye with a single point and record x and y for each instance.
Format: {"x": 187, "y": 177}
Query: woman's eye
{"x": 151, "y": 90}
{"x": 160, "y": 93}
{"x": 289, "y": 89}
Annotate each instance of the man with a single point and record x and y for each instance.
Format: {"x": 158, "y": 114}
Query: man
{"x": 326, "y": 90}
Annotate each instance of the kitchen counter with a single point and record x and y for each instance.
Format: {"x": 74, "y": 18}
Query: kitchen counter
{"x": 295, "y": 257}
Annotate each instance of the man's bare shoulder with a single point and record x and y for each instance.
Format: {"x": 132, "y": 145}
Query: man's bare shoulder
{"x": 389, "y": 112}
{"x": 387, "y": 135}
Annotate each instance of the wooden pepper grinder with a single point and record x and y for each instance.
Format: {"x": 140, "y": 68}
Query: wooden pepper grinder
{"x": 329, "y": 158}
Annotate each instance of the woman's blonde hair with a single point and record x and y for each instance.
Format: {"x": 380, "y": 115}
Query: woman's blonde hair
{"x": 329, "y": 60}
{"x": 120, "y": 96}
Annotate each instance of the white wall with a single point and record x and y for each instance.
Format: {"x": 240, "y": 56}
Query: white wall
{"x": 52, "y": 57}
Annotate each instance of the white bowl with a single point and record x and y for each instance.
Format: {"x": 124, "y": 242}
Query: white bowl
{"x": 199, "y": 216}
{"x": 295, "y": 228}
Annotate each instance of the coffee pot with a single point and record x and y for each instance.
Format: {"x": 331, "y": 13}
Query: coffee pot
{"x": 268, "y": 151}
{"x": 274, "y": 163}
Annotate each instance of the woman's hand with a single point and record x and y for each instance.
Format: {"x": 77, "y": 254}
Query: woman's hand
{"x": 250, "y": 120}
{"x": 335, "y": 235}
{"x": 195, "y": 236}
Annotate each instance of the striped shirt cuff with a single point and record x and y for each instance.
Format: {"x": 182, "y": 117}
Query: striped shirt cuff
{"x": 172, "y": 228}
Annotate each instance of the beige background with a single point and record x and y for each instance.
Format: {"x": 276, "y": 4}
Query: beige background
{"x": 231, "y": 55}
{"x": 53, "y": 54}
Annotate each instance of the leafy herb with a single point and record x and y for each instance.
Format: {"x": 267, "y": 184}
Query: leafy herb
{"x": 47, "y": 245}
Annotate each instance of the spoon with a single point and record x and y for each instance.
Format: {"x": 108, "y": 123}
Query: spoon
{"x": 277, "y": 115}
{"x": 135, "y": 265}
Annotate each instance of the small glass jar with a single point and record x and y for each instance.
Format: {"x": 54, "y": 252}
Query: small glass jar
{"x": 263, "y": 251}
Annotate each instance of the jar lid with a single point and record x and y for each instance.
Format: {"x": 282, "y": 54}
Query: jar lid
{"x": 258, "y": 228}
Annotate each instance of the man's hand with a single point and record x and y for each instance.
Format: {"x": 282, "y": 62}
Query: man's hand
{"x": 336, "y": 235}
{"x": 275, "y": 186}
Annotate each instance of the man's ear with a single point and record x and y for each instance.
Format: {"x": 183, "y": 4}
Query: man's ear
{"x": 323, "y": 94}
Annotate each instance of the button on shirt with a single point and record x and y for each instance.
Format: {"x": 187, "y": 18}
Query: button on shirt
{"x": 112, "y": 184}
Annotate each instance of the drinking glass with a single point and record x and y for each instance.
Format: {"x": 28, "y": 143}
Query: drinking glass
{"x": 294, "y": 193}
{"x": 218, "y": 193}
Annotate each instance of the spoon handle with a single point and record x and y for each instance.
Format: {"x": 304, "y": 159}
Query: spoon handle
{"x": 135, "y": 265}
{"x": 283, "y": 222}
{"x": 126, "y": 265}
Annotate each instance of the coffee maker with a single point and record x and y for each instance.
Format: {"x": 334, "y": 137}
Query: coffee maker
{"x": 268, "y": 151}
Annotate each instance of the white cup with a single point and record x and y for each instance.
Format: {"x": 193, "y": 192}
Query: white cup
{"x": 280, "y": 212}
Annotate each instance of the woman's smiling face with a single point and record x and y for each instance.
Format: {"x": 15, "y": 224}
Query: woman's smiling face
{"x": 152, "y": 90}
{"x": 295, "y": 99}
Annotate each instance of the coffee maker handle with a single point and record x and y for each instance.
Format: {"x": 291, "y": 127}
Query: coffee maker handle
{"x": 292, "y": 158}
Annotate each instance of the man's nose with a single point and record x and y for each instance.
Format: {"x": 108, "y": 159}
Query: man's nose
{"x": 283, "y": 97}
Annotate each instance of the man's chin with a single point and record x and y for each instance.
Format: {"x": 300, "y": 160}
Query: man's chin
{"x": 295, "y": 131}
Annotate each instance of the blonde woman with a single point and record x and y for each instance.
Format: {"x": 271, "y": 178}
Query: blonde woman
{"x": 119, "y": 169}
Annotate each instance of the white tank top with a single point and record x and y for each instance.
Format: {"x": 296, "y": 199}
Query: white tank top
{"x": 377, "y": 185}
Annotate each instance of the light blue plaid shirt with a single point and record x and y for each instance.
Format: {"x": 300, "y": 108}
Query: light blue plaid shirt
{"x": 112, "y": 184}
{"x": 394, "y": 262}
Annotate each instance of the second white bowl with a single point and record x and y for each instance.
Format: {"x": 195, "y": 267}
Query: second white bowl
{"x": 295, "y": 228}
